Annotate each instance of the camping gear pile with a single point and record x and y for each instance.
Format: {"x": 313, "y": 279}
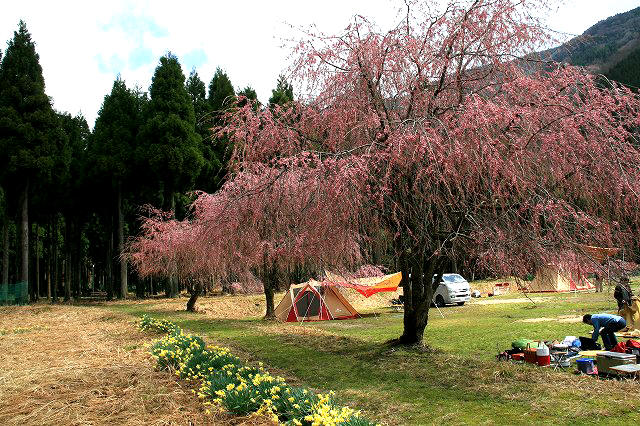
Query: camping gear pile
{"x": 622, "y": 360}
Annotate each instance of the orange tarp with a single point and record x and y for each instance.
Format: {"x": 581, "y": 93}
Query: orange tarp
{"x": 366, "y": 286}
{"x": 599, "y": 253}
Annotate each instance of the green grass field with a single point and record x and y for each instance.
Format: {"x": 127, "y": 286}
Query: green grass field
{"x": 456, "y": 381}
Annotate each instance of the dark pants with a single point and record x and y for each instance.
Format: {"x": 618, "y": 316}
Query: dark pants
{"x": 608, "y": 336}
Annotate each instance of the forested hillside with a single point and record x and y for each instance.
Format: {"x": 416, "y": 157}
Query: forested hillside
{"x": 70, "y": 198}
{"x": 610, "y": 47}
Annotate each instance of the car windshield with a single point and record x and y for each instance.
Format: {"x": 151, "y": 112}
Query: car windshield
{"x": 453, "y": 278}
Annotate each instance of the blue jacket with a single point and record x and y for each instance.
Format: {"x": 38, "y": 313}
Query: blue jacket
{"x": 603, "y": 320}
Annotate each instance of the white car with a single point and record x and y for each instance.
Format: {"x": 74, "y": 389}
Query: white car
{"x": 453, "y": 289}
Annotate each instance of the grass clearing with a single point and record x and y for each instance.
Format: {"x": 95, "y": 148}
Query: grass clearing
{"x": 458, "y": 381}
{"x": 89, "y": 364}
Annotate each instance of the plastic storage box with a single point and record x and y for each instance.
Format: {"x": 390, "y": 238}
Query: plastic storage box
{"x": 606, "y": 360}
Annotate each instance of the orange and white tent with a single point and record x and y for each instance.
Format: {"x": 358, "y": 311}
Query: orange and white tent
{"x": 319, "y": 301}
{"x": 314, "y": 301}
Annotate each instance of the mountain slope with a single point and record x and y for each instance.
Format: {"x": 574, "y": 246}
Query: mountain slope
{"x": 610, "y": 47}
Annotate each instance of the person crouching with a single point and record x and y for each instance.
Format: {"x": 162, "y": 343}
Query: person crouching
{"x": 606, "y": 325}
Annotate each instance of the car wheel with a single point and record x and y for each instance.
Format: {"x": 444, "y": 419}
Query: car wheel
{"x": 439, "y": 301}
{"x": 460, "y": 303}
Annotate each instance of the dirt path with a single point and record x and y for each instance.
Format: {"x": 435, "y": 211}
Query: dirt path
{"x": 85, "y": 366}
{"x": 501, "y": 301}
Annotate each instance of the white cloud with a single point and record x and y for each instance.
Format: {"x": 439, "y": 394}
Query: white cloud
{"x": 82, "y": 43}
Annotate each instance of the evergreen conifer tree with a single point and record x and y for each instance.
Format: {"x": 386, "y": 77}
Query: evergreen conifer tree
{"x": 170, "y": 145}
{"x": 210, "y": 175}
{"x": 250, "y": 95}
{"x": 113, "y": 148}
{"x": 29, "y": 131}
{"x": 169, "y": 139}
{"x": 221, "y": 97}
{"x": 282, "y": 94}
{"x": 221, "y": 94}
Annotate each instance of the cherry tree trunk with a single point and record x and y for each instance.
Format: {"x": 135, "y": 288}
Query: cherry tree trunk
{"x": 418, "y": 286}
{"x": 195, "y": 292}
{"x": 414, "y": 326}
{"x": 24, "y": 239}
{"x": 123, "y": 261}
{"x": 269, "y": 275}
{"x": 268, "y": 296}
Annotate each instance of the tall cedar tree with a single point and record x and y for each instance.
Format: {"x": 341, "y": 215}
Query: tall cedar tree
{"x": 113, "y": 147}
{"x": 5, "y": 223}
{"x": 170, "y": 145}
{"x": 29, "y": 132}
{"x": 221, "y": 98}
{"x": 169, "y": 141}
{"x": 73, "y": 204}
{"x": 282, "y": 94}
{"x": 210, "y": 175}
{"x": 249, "y": 95}
{"x": 221, "y": 94}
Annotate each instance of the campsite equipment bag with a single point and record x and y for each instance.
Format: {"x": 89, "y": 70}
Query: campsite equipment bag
{"x": 518, "y": 356}
{"x": 585, "y": 365}
{"x": 588, "y": 344}
{"x": 606, "y": 360}
{"x": 633, "y": 347}
{"x": 543, "y": 357}
{"x": 521, "y": 343}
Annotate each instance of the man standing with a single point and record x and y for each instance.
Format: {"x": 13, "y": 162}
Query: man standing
{"x": 606, "y": 325}
{"x": 623, "y": 293}
{"x": 598, "y": 282}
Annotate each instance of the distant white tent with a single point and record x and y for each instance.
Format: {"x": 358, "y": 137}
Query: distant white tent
{"x": 554, "y": 278}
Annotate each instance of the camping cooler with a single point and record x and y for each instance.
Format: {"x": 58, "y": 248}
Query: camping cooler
{"x": 606, "y": 360}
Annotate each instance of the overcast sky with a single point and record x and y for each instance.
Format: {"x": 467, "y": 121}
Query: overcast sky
{"x": 83, "y": 45}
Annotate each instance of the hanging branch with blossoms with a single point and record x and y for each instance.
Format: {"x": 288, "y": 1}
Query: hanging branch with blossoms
{"x": 451, "y": 139}
{"x": 262, "y": 222}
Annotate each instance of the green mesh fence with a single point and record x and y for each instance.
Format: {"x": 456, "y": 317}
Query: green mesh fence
{"x": 14, "y": 293}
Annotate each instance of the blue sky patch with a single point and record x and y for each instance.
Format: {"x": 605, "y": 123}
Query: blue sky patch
{"x": 140, "y": 56}
{"x": 136, "y": 26}
{"x": 194, "y": 59}
{"x": 113, "y": 64}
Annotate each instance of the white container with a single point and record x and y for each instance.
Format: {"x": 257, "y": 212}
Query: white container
{"x": 543, "y": 350}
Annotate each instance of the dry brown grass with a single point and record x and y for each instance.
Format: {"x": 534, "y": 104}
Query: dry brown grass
{"x": 214, "y": 307}
{"x": 85, "y": 366}
{"x": 253, "y": 306}
{"x": 561, "y": 318}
